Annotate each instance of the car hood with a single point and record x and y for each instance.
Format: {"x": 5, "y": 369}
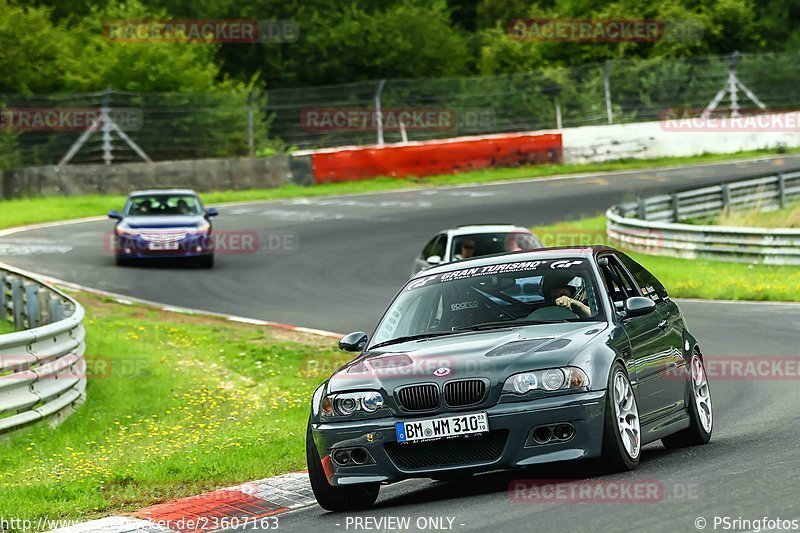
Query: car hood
{"x": 164, "y": 221}
{"x": 492, "y": 354}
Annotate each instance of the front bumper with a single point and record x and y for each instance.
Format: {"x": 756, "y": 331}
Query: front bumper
{"x": 134, "y": 247}
{"x": 583, "y": 410}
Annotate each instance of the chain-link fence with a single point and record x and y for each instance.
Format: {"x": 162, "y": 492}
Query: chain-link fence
{"x": 186, "y": 126}
{"x": 118, "y": 127}
{"x": 603, "y": 93}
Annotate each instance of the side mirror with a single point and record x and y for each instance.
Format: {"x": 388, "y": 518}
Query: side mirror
{"x": 353, "y": 342}
{"x": 638, "y": 306}
{"x": 114, "y": 214}
{"x": 211, "y": 212}
{"x": 434, "y": 260}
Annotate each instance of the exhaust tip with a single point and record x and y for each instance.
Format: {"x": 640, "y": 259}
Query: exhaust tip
{"x": 342, "y": 457}
{"x": 542, "y": 435}
{"x": 564, "y": 432}
{"x": 359, "y": 456}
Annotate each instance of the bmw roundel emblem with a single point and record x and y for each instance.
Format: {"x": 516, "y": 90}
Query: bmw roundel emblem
{"x": 440, "y": 372}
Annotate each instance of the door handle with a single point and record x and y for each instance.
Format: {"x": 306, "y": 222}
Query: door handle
{"x": 663, "y": 325}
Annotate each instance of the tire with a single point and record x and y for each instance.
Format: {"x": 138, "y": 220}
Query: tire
{"x": 330, "y": 498}
{"x": 616, "y": 456}
{"x": 701, "y": 415}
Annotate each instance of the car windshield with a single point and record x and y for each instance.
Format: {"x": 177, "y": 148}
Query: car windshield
{"x": 493, "y": 296}
{"x": 474, "y": 245}
{"x": 163, "y": 204}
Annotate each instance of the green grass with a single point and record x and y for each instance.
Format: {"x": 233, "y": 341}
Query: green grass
{"x": 176, "y": 405}
{"x": 788, "y": 217}
{"x": 34, "y": 210}
{"x": 688, "y": 278}
{"x": 6, "y": 327}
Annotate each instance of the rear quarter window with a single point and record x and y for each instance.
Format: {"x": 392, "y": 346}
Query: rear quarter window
{"x": 650, "y": 286}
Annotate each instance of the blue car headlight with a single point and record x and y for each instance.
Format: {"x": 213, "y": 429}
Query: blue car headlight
{"x": 199, "y": 230}
{"x": 125, "y": 231}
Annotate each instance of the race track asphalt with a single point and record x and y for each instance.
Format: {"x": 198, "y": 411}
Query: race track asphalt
{"x": 343, "y": 258}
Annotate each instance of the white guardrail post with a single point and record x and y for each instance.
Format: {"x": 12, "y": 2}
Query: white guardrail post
{"x": 42, "y": 365}
{"x": 654, "y": 225}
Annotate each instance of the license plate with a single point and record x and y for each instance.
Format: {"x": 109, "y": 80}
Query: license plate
{"x": 163, "y": 245}
{"x": 437, "y": 428}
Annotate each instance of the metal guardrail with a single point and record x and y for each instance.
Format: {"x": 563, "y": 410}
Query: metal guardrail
{"x": 42, "y": 368}
{"x": 653, "y": 225}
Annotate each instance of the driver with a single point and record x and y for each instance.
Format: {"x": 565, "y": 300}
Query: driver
{"x": 557, "y": 291}
{"x": 467, "y": 250}
{"x": 144, "y": 207}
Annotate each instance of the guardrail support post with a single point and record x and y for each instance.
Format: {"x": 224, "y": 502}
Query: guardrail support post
{"x": 676, "y": 208}
{"x": 32, "y": 301}
{"x": 641, "y": 209}
{"x": 726, "y": 195}
{"x": 3, "y": 298}
{"x": 56, "y": 310}
{"x": 781, "y": 190}
{"x": 17, "y": 301}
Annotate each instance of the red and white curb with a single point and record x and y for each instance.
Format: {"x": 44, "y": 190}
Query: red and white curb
{"x": 247, "y": 506}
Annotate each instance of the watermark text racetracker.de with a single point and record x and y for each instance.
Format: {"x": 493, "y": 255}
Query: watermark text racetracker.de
{"x": 66, "y": 119}
{"x": 203, "y": 31}
{"x": 605, "y": 30}
{"x": 154, "y": 242}
{"x": 600, "y": 491}
{"x": 742, "y": 120}
{"x": 395, "y": 119}
{"x": 745, "y": 368}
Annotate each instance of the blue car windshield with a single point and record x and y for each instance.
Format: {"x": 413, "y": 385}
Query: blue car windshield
{"x": 163, "y": 204}
{"x": 500, "y": 295}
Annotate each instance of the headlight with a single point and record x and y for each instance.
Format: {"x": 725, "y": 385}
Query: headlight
{"x": 371, "y": 402}
{"x": 551, "y": 379}
{"x": 202, "y": 228}
{"x": 525, "y": 382}
{"x": 128, "y": 232}
{"x": 349, "y": 403}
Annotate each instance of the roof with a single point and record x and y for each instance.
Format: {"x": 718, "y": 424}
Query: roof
{"x": 485, "y": 228}
{"x": 162, "y": 191}
{"x": 514, "y": 257}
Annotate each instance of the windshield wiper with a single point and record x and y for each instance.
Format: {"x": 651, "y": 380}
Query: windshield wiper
{"x": 507, "y": 324}
{"x": 410, "y": 338}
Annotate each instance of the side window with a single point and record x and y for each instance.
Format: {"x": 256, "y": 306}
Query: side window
{"x": 647, "y": 282}
{"x": 434, "y": 247}
{"x": 618, "y": 283}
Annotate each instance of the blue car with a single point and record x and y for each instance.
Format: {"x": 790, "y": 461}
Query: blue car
{"x": 165, "y": 224}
